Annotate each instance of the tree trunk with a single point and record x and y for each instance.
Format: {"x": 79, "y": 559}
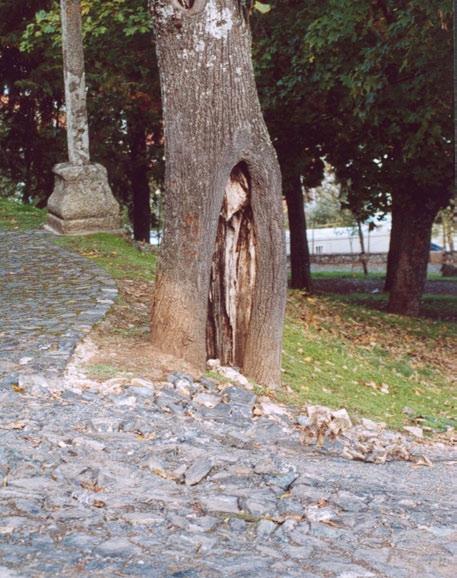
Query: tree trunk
{"x": 413, "y": 256}
{"x": 299, "y": 251}
{"x": 141, "y": 210}
{"x": 399, "y": 214}
{"x": 363, "y": 255}
{"x": 221, "y": 282}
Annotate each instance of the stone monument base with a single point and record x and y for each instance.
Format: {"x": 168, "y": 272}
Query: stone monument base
{"x": 82, "y": 201}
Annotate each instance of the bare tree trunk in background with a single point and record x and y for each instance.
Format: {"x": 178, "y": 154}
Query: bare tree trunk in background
{"x": 363, "y": 255}
{"x": 398, "y": 216}
{"x": 299, "y": 251}
{"x": 141, "y": 210}
{"x": 413, "y": 257}
{"x": 221, "y": 282}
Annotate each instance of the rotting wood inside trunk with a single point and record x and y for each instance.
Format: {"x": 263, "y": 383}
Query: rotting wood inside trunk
{"x": 233, "y": 272}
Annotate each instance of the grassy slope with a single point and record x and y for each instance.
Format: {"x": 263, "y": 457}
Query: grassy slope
{"x": 15, "y": 216}
{"x": 115, "y": 254}
{"x": 336, "y": 353}
{"x": 372, "y": 363}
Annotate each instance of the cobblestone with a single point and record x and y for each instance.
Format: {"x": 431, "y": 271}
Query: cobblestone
{"x": 49, "y": 299}
{"x": 159, "y": 480}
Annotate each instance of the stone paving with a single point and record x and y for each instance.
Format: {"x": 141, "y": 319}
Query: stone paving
{"x": 194, "y": 479}
{"x": 49, "y": 299}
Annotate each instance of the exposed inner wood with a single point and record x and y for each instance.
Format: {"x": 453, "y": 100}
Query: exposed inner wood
{"x": 186, "y": 3}
{"x": 232, "y": 273}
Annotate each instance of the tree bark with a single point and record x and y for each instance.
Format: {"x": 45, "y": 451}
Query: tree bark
{"x": 221, "y": 282}
{"x": 413, "y": 255}
{"x": 299, "y": 251}
{"x": 399, "y": 214}
{"x": 139, "y": 178}
{"x": 363, "y": 255}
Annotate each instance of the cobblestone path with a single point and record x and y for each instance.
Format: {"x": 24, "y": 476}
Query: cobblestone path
{"x": 49, "y": 299}
{"x": 187, "y": 479}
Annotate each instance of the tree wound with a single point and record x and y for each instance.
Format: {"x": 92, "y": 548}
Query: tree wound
{"x": 233, "y": 272}
{"x": 189, "y": 7}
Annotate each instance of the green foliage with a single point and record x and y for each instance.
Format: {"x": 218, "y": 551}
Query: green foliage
{"x": 123, "y": 94}
{"x": 262, "y": 7}
{"x": 30, "y": 136}
{"x": 368, "y": 85}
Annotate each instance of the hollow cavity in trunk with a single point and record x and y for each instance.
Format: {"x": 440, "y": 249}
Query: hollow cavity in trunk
{"x": 233, "y": 272}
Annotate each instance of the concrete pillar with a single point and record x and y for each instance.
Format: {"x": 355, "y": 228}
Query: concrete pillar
{"x": 82, "y": 201}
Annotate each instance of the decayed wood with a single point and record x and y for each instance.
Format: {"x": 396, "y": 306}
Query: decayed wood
{"x": 220, "y": 287}
{"x": 232, "y": 273}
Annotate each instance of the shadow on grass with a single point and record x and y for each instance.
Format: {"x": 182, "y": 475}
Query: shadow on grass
{"x": 439, "y": 302}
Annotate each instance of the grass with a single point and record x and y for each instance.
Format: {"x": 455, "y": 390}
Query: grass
{"x": 101, "y": 371}
{"x": 339, "y": 350}
{"x": 371, "y": 363}
{"x": 115, "y": 254}
{"x": 374, "y": 276}
{"x": 19, "y": 217}
{"x": 439, "y": 307}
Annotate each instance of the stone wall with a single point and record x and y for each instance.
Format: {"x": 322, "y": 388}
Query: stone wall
{"x": 348, "y": 259}
{"x": 436, "y": 258}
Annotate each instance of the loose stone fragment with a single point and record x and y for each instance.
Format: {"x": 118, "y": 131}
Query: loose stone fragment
{"x": 342, "y": 419}
{"x": 197, "y": 471}
{"x": 117, "y": 547}
{"x": 220, "y": 503}
{"x": 265, "y": 528}
{"x": 417, "y": 432}
{"x": 208, "y": 400}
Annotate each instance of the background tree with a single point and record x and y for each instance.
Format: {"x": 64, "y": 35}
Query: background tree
{"x": 292, "y": 116}
{"x": 31, "y": 98}
{"x": 124, "y": 99}
{"x": 390, "y": 63}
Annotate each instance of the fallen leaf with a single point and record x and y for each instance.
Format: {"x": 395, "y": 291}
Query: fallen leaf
{"x": 18, "y": 425}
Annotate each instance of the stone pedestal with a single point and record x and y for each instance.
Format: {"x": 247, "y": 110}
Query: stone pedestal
{"x": 82, "y": 201}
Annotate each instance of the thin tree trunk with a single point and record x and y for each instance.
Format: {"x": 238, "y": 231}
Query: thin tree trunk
{"x": 141, "y": 210}
{"x": 221, "y": 282}
{"x": 411, "y": 269}
{"x": 398, "y": 217}
{"x": 299, "y": 251}
{"x": 363, "y": 255}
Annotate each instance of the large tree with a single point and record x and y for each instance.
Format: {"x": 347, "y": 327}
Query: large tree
{"x": 220, "y": 290}
{"x": 388, "y": 67}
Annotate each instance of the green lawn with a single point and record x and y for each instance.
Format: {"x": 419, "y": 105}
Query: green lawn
{"x": 16, "y": 216}
{"x": 371, "y": 363}
{"x": 434, "y": 306}
{"x": 115, "y": 254}
{"x": 339, "y": 350}
{"x": 375, "y": 276}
